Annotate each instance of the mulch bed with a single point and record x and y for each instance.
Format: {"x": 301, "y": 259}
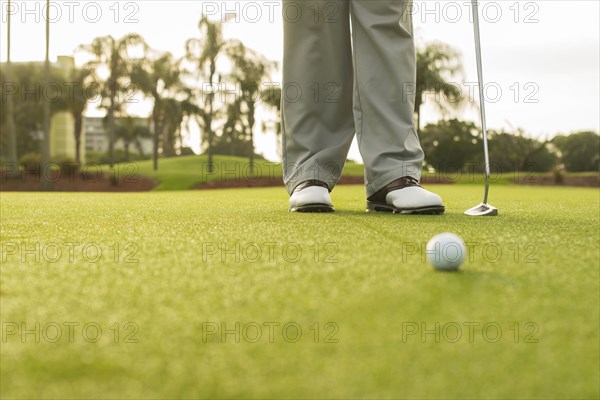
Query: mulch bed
{"x": 81, "y": 182}
{"x": 75, "y": 182}
{"x": 577, "y": 181}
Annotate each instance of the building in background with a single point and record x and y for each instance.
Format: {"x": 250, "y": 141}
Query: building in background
{"x": 62, "y": 128}
{"x": 62, "y": 137}
{"x": 96, "y": 136}
{"x": 32, "y": 91}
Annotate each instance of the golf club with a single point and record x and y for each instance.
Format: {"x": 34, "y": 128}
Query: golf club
{"x": 483, "y": 209}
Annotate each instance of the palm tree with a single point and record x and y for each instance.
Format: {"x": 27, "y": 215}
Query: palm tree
{"x": 204, "y": 52}
{"x": 158, "y": 78}
{"x": 114, "y": 55}
{"x": 272, "y": 98}
{"x": 251, "y": 68}
{"x": 437, "y": 64}
{"x": 46, "y": 139}
{"x": 77, "y": 104}
{"x": 130, "y": 132}
{"x": 234, "y": 124}
{"x": 175, "y": 111}
{"x": 10, "y": 117}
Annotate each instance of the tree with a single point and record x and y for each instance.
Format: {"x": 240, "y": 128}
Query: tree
{"x": 437, "y": 65}
{"x": 130, "y": 132}
{"x": 160, "y": 79}
{"x": 77, "y": 102}
{"x": 272, "y": 98}
{"x": 541, "y": 158}
{"x": 513, "y": 151}
{"x": 47, "y": 116}
{"x": 175, "y": 112}
{"x": 250, "y": 69}
{"x": 579, "y": 151}
{"x": 10, "y": 117}
{"x": 115, "y": 56}
{"x": 450, "y": 145}
{"x": 234, "y": 125}
{"x": 204, "y": 52}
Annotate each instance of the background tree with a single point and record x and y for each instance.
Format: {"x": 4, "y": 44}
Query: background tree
{"x": 579, "y": 151}
{"x": 47, "y": 115}
{"x": 250, "y": 70}
{"x": 234, "y": 126}
{"x": 450, "y": 145}
{"x": 116, "y": 57}
{"x": 272, "y": 98}
{"x": 77, "y": 102}
{"x": 513, "y": 151}
{"x": 175, "y": 112}
{"x": 159, "y": 78}
{"x": 541, "y": 157}
{"x": 11, "y": 130}
{"x": 129, "y": 131}
{"x": 204, "y": 52}
{"x": 438, "y": 67}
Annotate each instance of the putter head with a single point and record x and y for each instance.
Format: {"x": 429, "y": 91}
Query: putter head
{"x": 482, "y": 210}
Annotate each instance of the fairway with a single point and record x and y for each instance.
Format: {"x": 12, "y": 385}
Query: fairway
{"x": 204, "y": 294}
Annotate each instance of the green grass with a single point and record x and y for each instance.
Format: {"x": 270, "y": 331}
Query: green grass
{"x": 182, "y": 173}
{"x": 371, "y": 294}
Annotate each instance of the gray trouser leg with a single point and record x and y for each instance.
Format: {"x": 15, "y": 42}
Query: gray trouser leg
{"x": 376, "y": 102}
{"x": 317, "y": 121}
{"x": 385, "y": 62}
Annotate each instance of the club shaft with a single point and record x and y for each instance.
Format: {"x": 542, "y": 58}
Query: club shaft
{"x": 481, "y": 96}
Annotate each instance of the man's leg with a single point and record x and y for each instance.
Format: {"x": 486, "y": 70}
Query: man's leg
{"x": 317, "y": 121}
{"x": 384, "y": 104}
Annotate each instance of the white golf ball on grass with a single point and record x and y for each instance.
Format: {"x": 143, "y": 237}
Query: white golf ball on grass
{"x": 446, "y": 252}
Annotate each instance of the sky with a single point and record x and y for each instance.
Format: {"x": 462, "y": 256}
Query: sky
{"x": 541, "y": 58}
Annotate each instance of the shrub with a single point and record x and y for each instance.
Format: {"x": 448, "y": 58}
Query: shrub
{"x": 68, "y": 166}
{"x": 31, "y": 162}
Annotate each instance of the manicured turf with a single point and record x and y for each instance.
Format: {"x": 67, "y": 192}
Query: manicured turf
{"x": 376, "y": 295}
{"x": 182, "y": 173}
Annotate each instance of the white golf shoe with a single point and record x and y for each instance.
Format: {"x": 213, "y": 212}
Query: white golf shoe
{"x": 405, "y": 196}
{"x": 311, "y": 197}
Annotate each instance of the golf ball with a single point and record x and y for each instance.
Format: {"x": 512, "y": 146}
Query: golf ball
{"x": 446, "y": 252}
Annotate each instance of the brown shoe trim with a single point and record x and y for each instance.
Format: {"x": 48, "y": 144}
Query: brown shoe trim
{"x": 401, "y": 183}
{"x": 309, "y": 183}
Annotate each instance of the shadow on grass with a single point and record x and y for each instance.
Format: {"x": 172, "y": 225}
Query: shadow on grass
{"x": 375, "y": 215}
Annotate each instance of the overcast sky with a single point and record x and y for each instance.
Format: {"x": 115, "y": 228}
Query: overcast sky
{"x": 542, "y": 55}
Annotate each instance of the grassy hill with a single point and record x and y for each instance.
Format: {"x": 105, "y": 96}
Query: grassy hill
{"x": 181, "y": 173}
{"x": 187, "y": 172}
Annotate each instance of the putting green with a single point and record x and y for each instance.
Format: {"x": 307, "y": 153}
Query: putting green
{"x": 327, "y": 306}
